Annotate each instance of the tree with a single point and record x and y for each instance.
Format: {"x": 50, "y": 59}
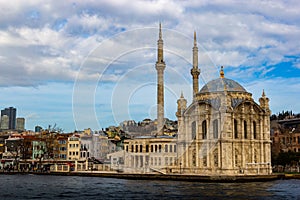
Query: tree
{"x": 286, "y": 158}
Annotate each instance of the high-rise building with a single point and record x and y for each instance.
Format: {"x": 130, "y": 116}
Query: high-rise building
{"x": 11, "y": 112}
{"x": 4, "y": 122}
{"x": 20, "y": 124}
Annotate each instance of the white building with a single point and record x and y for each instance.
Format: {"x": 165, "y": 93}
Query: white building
{"x": 223, "y": 131}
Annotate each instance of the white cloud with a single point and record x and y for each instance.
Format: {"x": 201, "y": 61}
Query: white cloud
{"x": 282, "y": 97}
{"x": 42, "y": 42}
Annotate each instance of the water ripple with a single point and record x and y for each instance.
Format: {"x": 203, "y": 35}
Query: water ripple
{"x": 73, "y": 187}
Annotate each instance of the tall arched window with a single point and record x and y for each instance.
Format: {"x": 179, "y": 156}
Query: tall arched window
{"x": 245, "y": 129}
{"x": 235, "y": 129}
{"x": 255, "y": 156}
{"x": 193, "y": 130}
{"x": 236, "y": 158}
{"x": 194, "y": 156}
{"x": 216, "y": 158}
{"x": 204, "y": 130}
{"x": 254, "y": 130}
{"x": 215, "y": 129}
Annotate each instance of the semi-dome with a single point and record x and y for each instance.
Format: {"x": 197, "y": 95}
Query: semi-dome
{"x": 217, "y": 85}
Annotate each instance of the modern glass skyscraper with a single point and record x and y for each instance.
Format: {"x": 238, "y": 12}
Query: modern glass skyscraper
{"x": 11, "y": 112}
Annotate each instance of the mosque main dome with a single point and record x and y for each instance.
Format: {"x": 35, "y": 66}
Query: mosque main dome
{"x": 218, "y": 85}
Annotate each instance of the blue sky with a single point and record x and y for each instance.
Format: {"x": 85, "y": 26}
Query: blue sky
{"x": 81, "y": 64}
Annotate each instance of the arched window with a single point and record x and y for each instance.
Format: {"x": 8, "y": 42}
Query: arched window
{"x": 255, "y": 156}
{"x": 254, "y": 130}
{"x": 193, "y": 130}
{"x": 204, "y": 161}
{"x": 194, "y": 156}
{"x": 204, "y": 130}
{"x": 235, "y": 129}
{"x": 215, "y": 129}
{"x": 216, "y": 159}
{"x": 236, "y": 158}
{"x": 245, "y": 129}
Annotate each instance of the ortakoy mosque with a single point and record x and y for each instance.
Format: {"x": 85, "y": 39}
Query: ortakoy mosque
{"x": 222, "y": 132}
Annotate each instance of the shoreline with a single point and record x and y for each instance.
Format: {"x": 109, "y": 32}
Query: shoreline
{"x": 171, "y": 177}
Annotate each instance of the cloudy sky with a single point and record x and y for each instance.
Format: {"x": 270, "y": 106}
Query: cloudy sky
{"x": 81, "y": 64}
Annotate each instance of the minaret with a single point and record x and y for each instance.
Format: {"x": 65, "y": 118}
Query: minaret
{"x": 195, "y": 70}
{"x": 160, "y": 67}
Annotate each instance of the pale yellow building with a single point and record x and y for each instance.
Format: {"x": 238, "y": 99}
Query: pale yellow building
{"x": 73, "y": 152}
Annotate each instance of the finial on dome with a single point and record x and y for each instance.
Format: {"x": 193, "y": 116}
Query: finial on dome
{"x": 181, "y": 96}
{"x": 221, "y": 72}
{"x": 263, "y": 93}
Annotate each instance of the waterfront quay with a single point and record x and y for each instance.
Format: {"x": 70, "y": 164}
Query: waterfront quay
{"x": 171, "y": 177}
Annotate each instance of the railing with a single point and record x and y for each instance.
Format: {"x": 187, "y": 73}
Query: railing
{"x": 80, "y": 167}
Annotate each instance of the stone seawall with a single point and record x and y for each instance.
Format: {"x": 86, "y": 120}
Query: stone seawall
{"x": 174, "y": 177}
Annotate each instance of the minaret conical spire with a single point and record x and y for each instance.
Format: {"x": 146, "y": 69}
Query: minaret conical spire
{"x": 195, "y": 39}
{"x": 160, "y": 46}
{"x": 160, "y": 34}
{"x": 195, "y": 72}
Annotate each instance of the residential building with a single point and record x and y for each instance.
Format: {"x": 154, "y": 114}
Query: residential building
{"x": 13, "y": 146}
{"x": 27, "y": 150}
{"x": 38, "y": 149}
{"x": 74, "y": 144}
{"x": 2, "y": 144}
{"x": 101, "y": 146}
{"x": 285, "y": 135}
{"x": 62, "y": 146}
{"x": 86, "y": 146}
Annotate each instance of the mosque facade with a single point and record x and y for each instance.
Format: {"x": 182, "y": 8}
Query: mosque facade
{"x": 222, "y": 132}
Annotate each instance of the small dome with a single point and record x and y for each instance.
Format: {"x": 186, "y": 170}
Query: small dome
{"x": 217, "y": 85}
